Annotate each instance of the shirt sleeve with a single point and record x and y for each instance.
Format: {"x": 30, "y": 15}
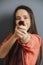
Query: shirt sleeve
{"x": 2, "y": 60}
{"x": 31, "y": 50}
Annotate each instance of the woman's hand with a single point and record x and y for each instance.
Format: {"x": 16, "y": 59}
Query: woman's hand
{"x": 21, "y": 32}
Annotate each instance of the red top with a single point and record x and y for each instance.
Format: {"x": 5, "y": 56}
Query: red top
{"x": 30, "y": 50}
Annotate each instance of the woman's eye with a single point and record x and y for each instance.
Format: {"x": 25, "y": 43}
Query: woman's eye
{"x": 25, "y": 17}
{"x": 18, "y": 18}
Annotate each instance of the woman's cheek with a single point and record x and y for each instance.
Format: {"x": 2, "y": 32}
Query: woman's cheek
{"x": 28, "y": 25}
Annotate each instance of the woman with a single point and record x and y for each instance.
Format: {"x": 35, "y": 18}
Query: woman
{"x": 22, "y": 46}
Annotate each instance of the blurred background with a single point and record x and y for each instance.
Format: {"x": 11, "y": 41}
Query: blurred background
{"x": 7, "y": 8}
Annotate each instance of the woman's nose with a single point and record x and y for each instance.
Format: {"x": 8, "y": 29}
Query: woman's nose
{"x": 22, "y": 19}
{"x": 24, "y": 22}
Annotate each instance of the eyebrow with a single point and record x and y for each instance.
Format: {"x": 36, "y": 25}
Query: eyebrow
{"x": 23, "y": 16}
{"x": 17, "y": 16}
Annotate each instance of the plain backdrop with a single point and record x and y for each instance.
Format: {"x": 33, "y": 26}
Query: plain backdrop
{"x": 7, "y": 8}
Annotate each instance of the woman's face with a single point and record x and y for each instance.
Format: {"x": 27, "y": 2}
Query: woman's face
{"x": 23, "y": 15}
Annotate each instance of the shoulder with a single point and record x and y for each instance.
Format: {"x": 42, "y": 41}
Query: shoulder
{"x": 36, "y": 38}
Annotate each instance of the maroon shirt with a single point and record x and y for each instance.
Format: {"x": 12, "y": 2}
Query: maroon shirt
{"x": 30, "y": 51}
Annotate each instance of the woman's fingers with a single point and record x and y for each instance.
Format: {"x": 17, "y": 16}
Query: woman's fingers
{"x": 20, "y": 36}
{"x": 19, "y": 32}
{"x": 23, "y": 31}
{"x": 22, "y": 27}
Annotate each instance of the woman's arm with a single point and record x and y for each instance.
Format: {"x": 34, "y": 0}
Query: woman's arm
{"x": 6, "y": 46}
{"x": 31, "y": 50}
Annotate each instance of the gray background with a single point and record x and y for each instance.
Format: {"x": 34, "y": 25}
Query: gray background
{"x": 6, "y": 12}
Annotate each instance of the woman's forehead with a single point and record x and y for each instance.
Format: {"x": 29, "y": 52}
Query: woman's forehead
{"x": 22, "y": 12}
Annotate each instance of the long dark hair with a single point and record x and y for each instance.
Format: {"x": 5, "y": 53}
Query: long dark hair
{"x": 32, "y": 28}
